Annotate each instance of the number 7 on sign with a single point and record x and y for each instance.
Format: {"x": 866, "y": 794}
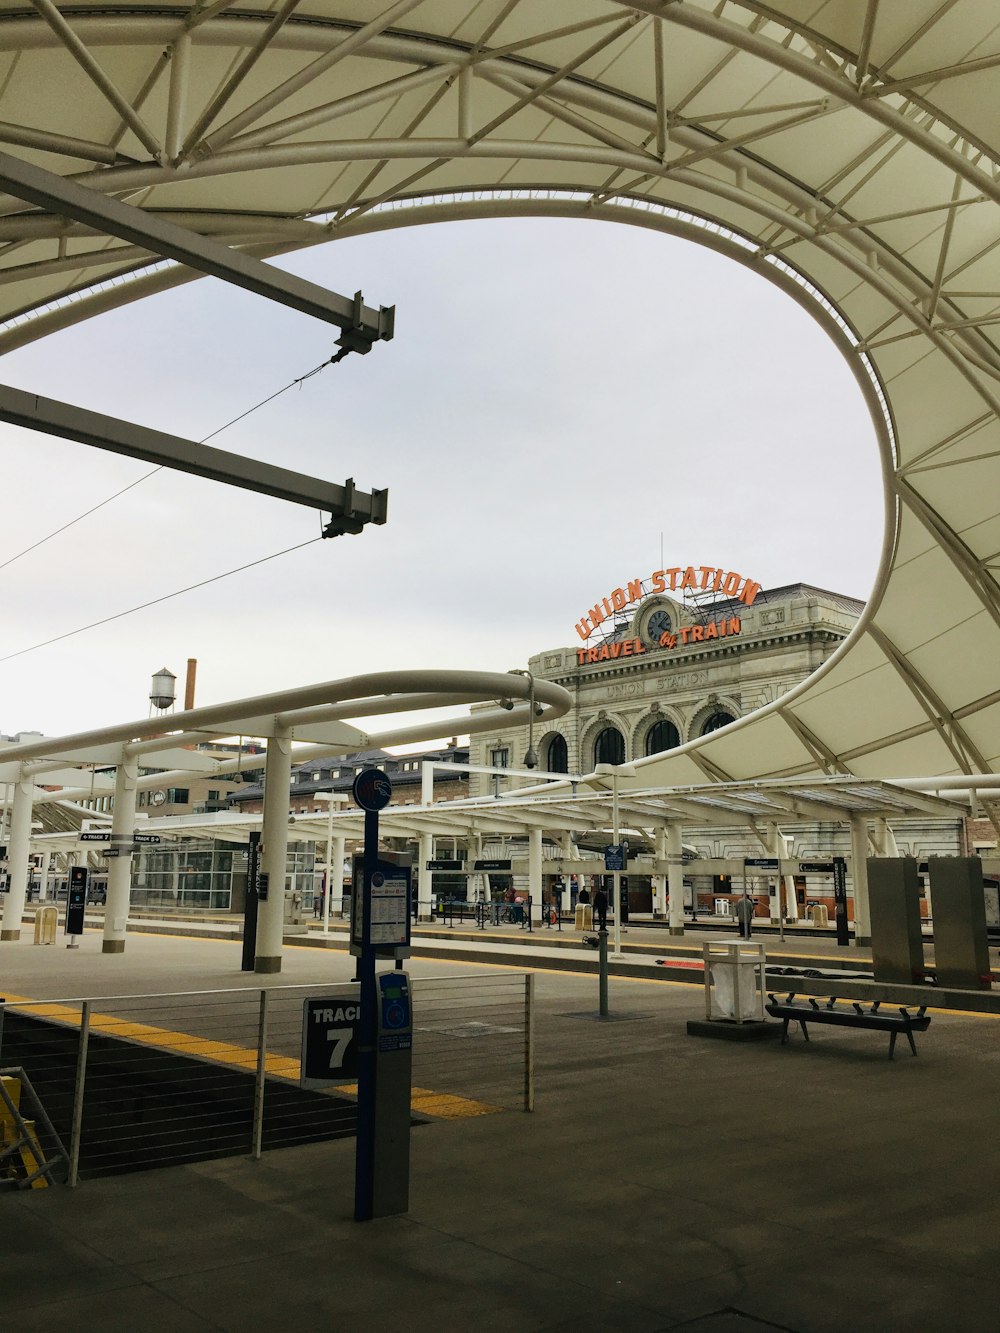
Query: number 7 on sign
{"x": 341, "y": 1038}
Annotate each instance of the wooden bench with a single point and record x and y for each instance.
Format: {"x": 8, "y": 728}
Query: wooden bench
{"x": 855, "y": 1017}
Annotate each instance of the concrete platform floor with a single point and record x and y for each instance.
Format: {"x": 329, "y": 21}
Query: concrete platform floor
{"x": 663, "y": 1182}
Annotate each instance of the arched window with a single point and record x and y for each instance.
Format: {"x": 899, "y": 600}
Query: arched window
{"x": 662, "y": 735}
{"x": 558, "y": 756}
{"x": 609, "y": 748}
{"x": 716, "y": 721}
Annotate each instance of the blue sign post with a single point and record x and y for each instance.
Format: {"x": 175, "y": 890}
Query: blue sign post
{"x": 380, "y": 927}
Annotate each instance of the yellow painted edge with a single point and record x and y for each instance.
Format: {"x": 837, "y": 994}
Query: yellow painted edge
{"x": 226, "y": 1053}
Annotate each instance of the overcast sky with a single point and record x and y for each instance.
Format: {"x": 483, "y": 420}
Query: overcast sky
{"x": 558, "y": 394}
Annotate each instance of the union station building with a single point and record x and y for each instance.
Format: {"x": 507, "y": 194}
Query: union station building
{"x": 661, "y": 667}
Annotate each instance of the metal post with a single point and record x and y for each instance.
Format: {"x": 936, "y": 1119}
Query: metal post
{"x": 81, "y": 1077}
{"x": 616, "y": 875}
{"x": 529, "y": 1041}
{"x": 364, "y": 1168}
{"x": 602, "y": 971}
{"x": 271, "y": 918}
{"x": 251, "y": 905}
{"x": 329, "y": 869}
{"x": 859, "y": 876}
{"x": 258, "y": 1089}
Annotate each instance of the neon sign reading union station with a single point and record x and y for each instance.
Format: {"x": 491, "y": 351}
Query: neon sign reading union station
{"x": 697, "y": 579}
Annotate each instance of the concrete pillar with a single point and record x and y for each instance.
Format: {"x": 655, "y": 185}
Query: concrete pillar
{"x": 274, "y": 861}
{"x": 425, "y": 878}
{"x": 659, "y": 881}
{"x": 120, "y": 867}
{"x": 535, "y": 873}
{"x": 675, "y": 876}
{"x": 859, "y": 879}
{"x": 18, "y": 856}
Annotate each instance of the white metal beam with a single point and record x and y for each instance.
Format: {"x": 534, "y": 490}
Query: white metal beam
{"x": 53, "y": 192}
{"x": 351, "y": 509}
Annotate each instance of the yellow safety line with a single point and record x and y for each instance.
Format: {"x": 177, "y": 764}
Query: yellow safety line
{"x": 553, "y": 971}
{"x": 444, "y": 1106}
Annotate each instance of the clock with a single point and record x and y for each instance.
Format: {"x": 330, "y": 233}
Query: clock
{"x": 659, "y": 623}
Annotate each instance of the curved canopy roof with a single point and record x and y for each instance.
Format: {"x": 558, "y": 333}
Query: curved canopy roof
{"x": 844, "y": 149}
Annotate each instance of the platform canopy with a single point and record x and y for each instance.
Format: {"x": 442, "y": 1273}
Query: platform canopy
{"x": 846, "y": 150}
{"x": 585, "y": 817}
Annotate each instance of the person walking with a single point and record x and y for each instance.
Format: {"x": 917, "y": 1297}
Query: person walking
{"x": 601, "y": 907}
{"x": 745, "y": 909}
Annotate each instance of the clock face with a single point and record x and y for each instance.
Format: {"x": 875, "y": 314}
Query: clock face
{"x": 659, "y": 623}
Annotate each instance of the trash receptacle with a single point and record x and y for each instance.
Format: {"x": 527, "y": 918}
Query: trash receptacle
{"x": 734, "y": 980}
{"x": 584, "y": 917}
{"x": 819, "y": 914}
{"x": 46, "y": 923}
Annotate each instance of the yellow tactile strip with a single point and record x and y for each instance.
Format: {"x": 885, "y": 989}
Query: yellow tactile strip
{"x": 442, "y": 1106}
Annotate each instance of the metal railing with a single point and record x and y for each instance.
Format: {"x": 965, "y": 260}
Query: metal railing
{"x": 139, "y": 1081}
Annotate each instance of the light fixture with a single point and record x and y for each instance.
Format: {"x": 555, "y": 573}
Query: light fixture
{"x": 530, "y": 756}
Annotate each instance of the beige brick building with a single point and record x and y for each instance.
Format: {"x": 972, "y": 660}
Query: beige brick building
{"x": 660, "y": 671}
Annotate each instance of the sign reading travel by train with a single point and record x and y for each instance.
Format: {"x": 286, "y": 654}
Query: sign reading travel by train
{"x": 679, "y": 578}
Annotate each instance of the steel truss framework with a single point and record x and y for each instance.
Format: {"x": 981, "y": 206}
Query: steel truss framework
{"x": 850, "y": 153}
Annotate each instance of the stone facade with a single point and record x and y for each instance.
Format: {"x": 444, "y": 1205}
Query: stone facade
{"x": 710, "y": 670}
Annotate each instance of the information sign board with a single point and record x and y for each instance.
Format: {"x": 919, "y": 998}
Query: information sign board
{"x": 762, "y": 863}
{"x": 95, "y": 837}
{"x": 614, "y": 857}
{"x": 389, "y": 923}
{"x": 331, "y": 1029}
{"x": 76, "y": 899}
{"x": 815, "y": 867}
{"x": 491, "y": 865}
{"x": 445, "y": 865}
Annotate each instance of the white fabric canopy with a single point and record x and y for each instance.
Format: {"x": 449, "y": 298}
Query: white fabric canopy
{"x": 844, "y": 149}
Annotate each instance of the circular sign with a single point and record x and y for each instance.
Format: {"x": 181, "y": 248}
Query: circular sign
{"x": 372, "y": 790}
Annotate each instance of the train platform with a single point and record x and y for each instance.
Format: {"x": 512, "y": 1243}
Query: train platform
{"x": 662, "y": 1182}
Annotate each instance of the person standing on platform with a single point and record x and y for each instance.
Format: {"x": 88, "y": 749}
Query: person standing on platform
{"x": 601, "y": 907}
{"x": 744, "y": 914}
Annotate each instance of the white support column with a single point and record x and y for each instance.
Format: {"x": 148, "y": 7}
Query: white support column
{"x": 425, "y": 878}
{"x": 120, "y": 867}
{"x": 43, "y": 877}
{"x": 777, "y": 845}
{"x": 18, "y": 856}
{"x": 426, "y": 783}
{"x": 479, "y": 883}
{"x": 274, "y": 861}
{"x": 659, "y": 881}
{"x": 675, "y": 876}
{"x": 884, "y": 839}
{"x": 859, "y": 879}
{"x": 335, "y": 876}
{"x": 535, "y": 873}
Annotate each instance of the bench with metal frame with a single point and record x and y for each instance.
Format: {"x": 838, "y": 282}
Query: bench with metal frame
{"x": 856, "y": 1017}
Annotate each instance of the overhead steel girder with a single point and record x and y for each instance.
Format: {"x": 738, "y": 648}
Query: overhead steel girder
{"x": 46, "y": 189}
{"x": 350, "y": 509}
